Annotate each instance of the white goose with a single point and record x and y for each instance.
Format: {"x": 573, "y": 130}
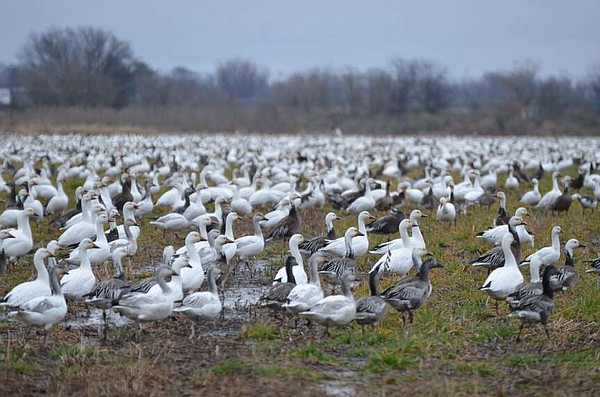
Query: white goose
{"x": 175, "y": 285}
{"x": 203, "y": 305}
{"x": 398, "y": 260}
{"x": 360, "y": 244}
{"x": 548, "y": 255}
{"x": 250, "y": 246}
{"x": 533, "y": 196}
{"x": 446, "y": 211}
{"x": 304, "y": 296}
{"x": 416, "y": 240}
{"x": 503, "y": 281}
{"x": 145, "y": 307}
{"x": 79, "y": 282}
{"x": 364, "y": 203}
{"x": 334, "y": 309}
{"x": 96, "y": 255}
{"x": 192, "y": 277}
{"x": 45, "y": 311}
{"x": 494, "y": 235}
{"x": 298, "y": 271}
{"x": 84, "y": 228}
{"x": 511, "y": 183}
{"x": 59, "y": 201}
{"x": 549, "y": 198}
{"x": 22, "y": 242}
{"x": 26, "y": 291}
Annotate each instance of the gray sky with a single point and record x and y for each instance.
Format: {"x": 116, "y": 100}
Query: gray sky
{"x": 467, "y": 36}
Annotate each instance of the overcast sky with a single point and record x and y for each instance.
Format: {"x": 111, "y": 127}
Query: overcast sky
{"x": 467, "y": 36}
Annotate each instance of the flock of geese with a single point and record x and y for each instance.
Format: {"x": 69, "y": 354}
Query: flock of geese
{"x": 200, "y": 186}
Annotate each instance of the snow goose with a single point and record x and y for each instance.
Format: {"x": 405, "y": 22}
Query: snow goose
{"x": 300, "y": 276}
{"x": 95, "y": 255}
{"x": 59, "y": 201}
{"x": 364, "y": 203}
{"x": 265, "y": 195}
{"x": 446, "y": 211}
{"x": 196, "y": 207}
{"x": 250, "y": 246}
{"x": 84, "y": 228}
{"x": 335, "y": 268}
{"x": 108, "y": 291}
{"x": 416, "y": 240}
{"x": 282, "y": 209}
{"x": 193, "y": 277}
{"x": 38, "y": 287}
{"x": 129, "y": 209}
{"x": 549, "y": 198}
{"x": 145, "y": 206}
{"x": 494, "y": 235}
{"x": 45, "y": 311}
{"x": 503, "y": 281}
{"x": 370, "y": 309}
{"x": 148, "y": 307}
{"x": 360, "y": 244}
{"x": 537, "y": 308}
{"x": 22, "y": 241}
{"x": 566, "y": 276}
{"x": 80, "y": 281}
{"x": 410, "y": 294}
{"x": 130, "y": 240}
{"x": 586, "y": 201}
{"x": 414, "y": 196}
{"x": 494, "y": 258}
{"x": 60, "y": 221}
{"x": 205, "y": 305}
{"x": 595, "y": 264}
{"x": 175, "y": 285}
{"x": 277, "y": 294}
{"x": 240, "y": 204}
{"x": 303, "y": 296}
{"x": 549, "y": 255}
{"x": 511, "y": 183}
{"x": 398, "y": 260}
{"x": 533, "y": 196}
{"x": 314, "y": 244}
{"x": 334, "y": 310}
{"x": 287, "y": 226}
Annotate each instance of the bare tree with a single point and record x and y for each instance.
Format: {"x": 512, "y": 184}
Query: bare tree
{"x": 555, "y": 94}
{"x": 379, "y": 91}
{"x": 241, "y": 78}
{"x": 83, "y": 66}
{"x": 521, "y": 81}
{"x": 594, "y": 86}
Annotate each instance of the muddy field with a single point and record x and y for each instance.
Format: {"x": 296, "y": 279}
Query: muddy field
{"x": 456, "y": 345}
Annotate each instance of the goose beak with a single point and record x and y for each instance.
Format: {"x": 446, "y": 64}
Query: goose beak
{"x": 94, "y": 245}
{"x": 428, "y": 253}
{"x": 581, "y": 245}
{"x": 228, "y": 241}
{"x": 424, "y": 215}
{"x": 359, "y": 234}
{"x": 202, "y": 238}
{"x": 337, "y": 218}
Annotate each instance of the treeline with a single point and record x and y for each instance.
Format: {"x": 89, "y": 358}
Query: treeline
{"x": 90, "y": 68}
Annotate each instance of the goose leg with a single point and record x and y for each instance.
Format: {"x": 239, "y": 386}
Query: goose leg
{"x": 519, "y": 334}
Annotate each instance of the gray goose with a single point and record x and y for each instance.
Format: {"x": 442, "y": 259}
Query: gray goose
{"x": 494, "y": 258}
{"x": 387, "y": 224}
{"x": 287, "y": 226}
{"x": 533, "y": 287}
{"x": 108, "y": 291}
{"x": 311, "y": 246}
{"x": 595, "y": 264}
{"x": 411, "y": 293}
{"x": 537, "y": 308}
{"x": 566, "y": 276}
{"x": 370, "y": 309}
{"x": 277, "y": 294}
{"x": 335, "y": 268}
